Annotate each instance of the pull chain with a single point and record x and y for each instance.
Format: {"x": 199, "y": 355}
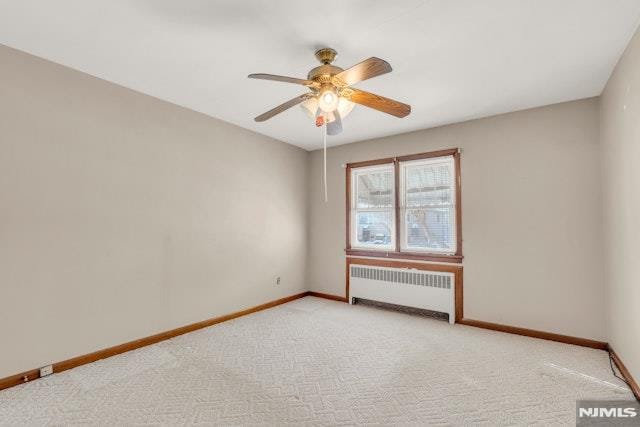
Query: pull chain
{"x": 324, "y": 140}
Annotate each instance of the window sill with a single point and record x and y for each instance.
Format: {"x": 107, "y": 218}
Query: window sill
{"x": 455, "y": 259}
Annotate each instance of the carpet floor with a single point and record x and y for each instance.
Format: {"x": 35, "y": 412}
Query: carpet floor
{"x": 320, "y": 362}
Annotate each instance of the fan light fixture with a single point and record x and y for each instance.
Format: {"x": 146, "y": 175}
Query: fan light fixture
{"x": 311, "y": 107}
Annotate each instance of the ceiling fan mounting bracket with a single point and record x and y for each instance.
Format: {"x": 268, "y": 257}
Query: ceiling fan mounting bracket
{"x": 326, "y": 55}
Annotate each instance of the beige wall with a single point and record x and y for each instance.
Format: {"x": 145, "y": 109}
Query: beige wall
{"x": 620, "y": 134}
{"x": 532, "y": 223}
{"x": 122, "y": 215}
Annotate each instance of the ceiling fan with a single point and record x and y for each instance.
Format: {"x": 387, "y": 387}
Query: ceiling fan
{"x": 331, "y": 96}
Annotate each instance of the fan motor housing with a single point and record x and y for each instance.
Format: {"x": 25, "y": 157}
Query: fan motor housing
{"x": 323, "y": 73}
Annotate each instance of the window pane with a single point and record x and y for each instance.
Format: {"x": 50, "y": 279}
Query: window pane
{"x": 375, "y": 189}
{"x": 431, "y": 228}
{"x": 374, "y": 228}
{"x": 428, "y": 184}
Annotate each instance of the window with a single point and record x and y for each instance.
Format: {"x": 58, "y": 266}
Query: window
{"x": 421, "y": 221}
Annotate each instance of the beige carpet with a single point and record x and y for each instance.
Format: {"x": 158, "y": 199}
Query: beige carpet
{"x": 319, "y": 362}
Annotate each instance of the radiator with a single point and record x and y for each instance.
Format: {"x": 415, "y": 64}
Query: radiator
{"x": 429, "y": 290}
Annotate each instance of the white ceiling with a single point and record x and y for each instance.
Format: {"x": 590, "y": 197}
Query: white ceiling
{"x": 453, "y": 60}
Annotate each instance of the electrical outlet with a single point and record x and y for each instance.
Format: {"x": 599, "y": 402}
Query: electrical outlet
{"x": 46, "y": 370}
{"x": 278, "y": 280}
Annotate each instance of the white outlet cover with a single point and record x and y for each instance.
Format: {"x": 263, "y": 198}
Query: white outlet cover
{"x": 46, "y": 370}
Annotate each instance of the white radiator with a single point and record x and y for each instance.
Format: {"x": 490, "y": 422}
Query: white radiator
{"x": 429, "y": 290}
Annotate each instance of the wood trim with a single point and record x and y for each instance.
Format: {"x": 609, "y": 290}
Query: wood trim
{"x": 633, "y": 385}
{"x": 418, "y": 156}
{"x": 430, "y": 154}
{"x": 456, "y": 161}
{"x": 457, "y": 270}
{"x": 396, "y": 196}
{"x": 348, "y": 207}
{"x": 346, "y": 275}
{"x": 453, "y": 259}
{"x": 445, "y": 268}
{"x": 132, "y": 345}
{"x": 327, "y": 296}
{"x": 398, "y": 253}
{"x": 371, "y": 163}
{"x": 459, "y": 302}
{"x": 20, "y": 378}
{"x": 584, "y": 342}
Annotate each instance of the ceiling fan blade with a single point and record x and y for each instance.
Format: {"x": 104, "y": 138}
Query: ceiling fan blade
{"x": 379, "y": 103}
{"x": 282, "y": 107}
{"x": 367, "y": 69}
{"x": 285, "y": 79}
{"x": 335, "y": 127}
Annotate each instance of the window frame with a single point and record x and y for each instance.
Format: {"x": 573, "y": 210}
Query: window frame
{"x": 398, "y": 252}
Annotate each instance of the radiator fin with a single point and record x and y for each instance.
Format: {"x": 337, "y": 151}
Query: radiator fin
{"x": 421, "y": 278}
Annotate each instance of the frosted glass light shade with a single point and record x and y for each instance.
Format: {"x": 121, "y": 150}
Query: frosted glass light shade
{"x": 344, "y": 107}
{"x": 310, "y": 107}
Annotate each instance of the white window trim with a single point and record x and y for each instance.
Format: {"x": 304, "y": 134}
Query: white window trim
{"x": 354, "y": 210}
{"x": 404, "y": 247}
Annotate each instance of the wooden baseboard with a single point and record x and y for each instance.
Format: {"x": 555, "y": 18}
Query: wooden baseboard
{"x": 633, "y": 385}
{"x": 20, "y": 378}
{"x": 584, "y": 342}
{"x": 132, "y": 345}
{"x": 327, "y": 296}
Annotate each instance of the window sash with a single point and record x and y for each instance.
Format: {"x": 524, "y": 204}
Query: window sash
{"x": 375, "y": 246}
{"x": 355, "y": 210}
{"x": 450, "y": 232}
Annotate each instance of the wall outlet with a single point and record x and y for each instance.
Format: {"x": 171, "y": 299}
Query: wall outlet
{"x": 278, "y": 280}
{"x": 46, "y": 370}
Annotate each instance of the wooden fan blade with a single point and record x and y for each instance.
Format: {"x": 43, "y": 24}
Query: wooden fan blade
{"x": 285, "y": 79}
{"x": 335, "y": 127}
{"x": 282, "y": 107}
{"x": 367, "y": 69}
{"x": 379, "y": 103}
